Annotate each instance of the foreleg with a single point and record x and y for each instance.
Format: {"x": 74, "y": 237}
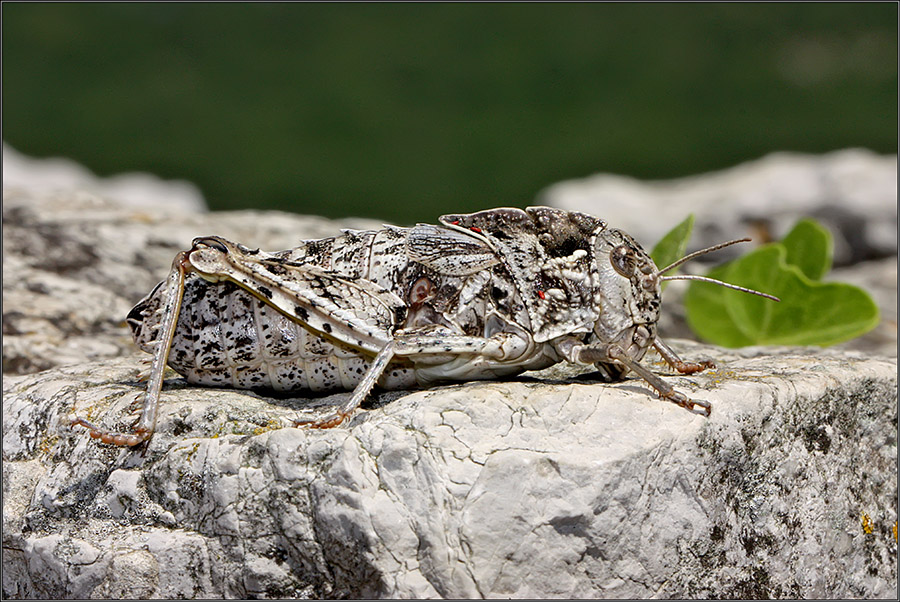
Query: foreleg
{"x": 671, "y": 358}
{"x": 614, "y": 353}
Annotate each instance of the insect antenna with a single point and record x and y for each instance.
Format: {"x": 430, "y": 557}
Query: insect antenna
{"x": 720, "y": 283}
{"x": 686, "y": 258}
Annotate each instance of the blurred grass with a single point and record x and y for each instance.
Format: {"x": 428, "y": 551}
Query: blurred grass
{"x": 403, "y": 112}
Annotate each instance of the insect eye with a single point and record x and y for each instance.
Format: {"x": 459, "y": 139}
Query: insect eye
{"x": 623, "y": 260}
{"x": 211, "y": 242}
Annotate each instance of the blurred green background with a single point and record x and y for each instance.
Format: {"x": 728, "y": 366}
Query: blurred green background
{"x": 403, "y": 112}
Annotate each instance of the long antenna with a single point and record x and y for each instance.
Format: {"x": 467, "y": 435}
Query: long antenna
{"x": 699, "y": 253}
{"x": 671, "y": 266}
{"x": 719, "y": 282}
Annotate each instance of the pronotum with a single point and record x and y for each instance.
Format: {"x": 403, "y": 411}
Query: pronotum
{"x": 479, "y": 296}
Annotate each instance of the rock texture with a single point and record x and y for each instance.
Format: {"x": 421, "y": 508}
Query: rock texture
{"x": 526, "y": 488}
{"x": 549, "y": 485}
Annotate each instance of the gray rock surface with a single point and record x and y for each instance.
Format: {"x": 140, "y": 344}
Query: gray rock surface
{"x": 525, "y": 488}
{"x": 43, "y": 177}
{"x": 551, "y": 485}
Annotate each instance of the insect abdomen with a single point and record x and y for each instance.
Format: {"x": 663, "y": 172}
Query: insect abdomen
{"x": 228, "y": 337}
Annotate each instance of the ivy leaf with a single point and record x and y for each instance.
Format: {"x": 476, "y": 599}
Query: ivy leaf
{"x": 810, "y": 248}
{"x": 673, "y": 245}
{"x": 707, "y": 314}
{"x": 810, "y": 312}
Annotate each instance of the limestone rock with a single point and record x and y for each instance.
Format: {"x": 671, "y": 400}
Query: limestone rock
{"x": 549, "y": 486}
{"x": 43, "y": 177}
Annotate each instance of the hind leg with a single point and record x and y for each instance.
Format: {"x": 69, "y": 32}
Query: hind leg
{"x": 146, "y": 422}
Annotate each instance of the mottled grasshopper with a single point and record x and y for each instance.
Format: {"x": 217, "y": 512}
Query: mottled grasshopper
{"x": 480, "y": 296}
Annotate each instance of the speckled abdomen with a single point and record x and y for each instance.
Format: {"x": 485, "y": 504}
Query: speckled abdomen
{"x": 228, "y": 337}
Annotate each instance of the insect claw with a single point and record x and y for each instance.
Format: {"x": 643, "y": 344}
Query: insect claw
{"x": 687, "y": 403}
{"x": 693, "y": 367}
{"x": 76, "y": 421}
{"x": 330, "y": 421}
{"x": 118, "y": 439}
{"x": 705, "y": 407}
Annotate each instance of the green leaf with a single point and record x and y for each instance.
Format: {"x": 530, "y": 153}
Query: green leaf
{"x": 809, "y": 247}
{"x": 810, "y": 312}
{"x": 673, "y": 245}
{"x": 707, "y": 315}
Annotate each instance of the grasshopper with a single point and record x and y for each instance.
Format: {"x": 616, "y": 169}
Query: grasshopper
{"x": 480, "y": 296}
